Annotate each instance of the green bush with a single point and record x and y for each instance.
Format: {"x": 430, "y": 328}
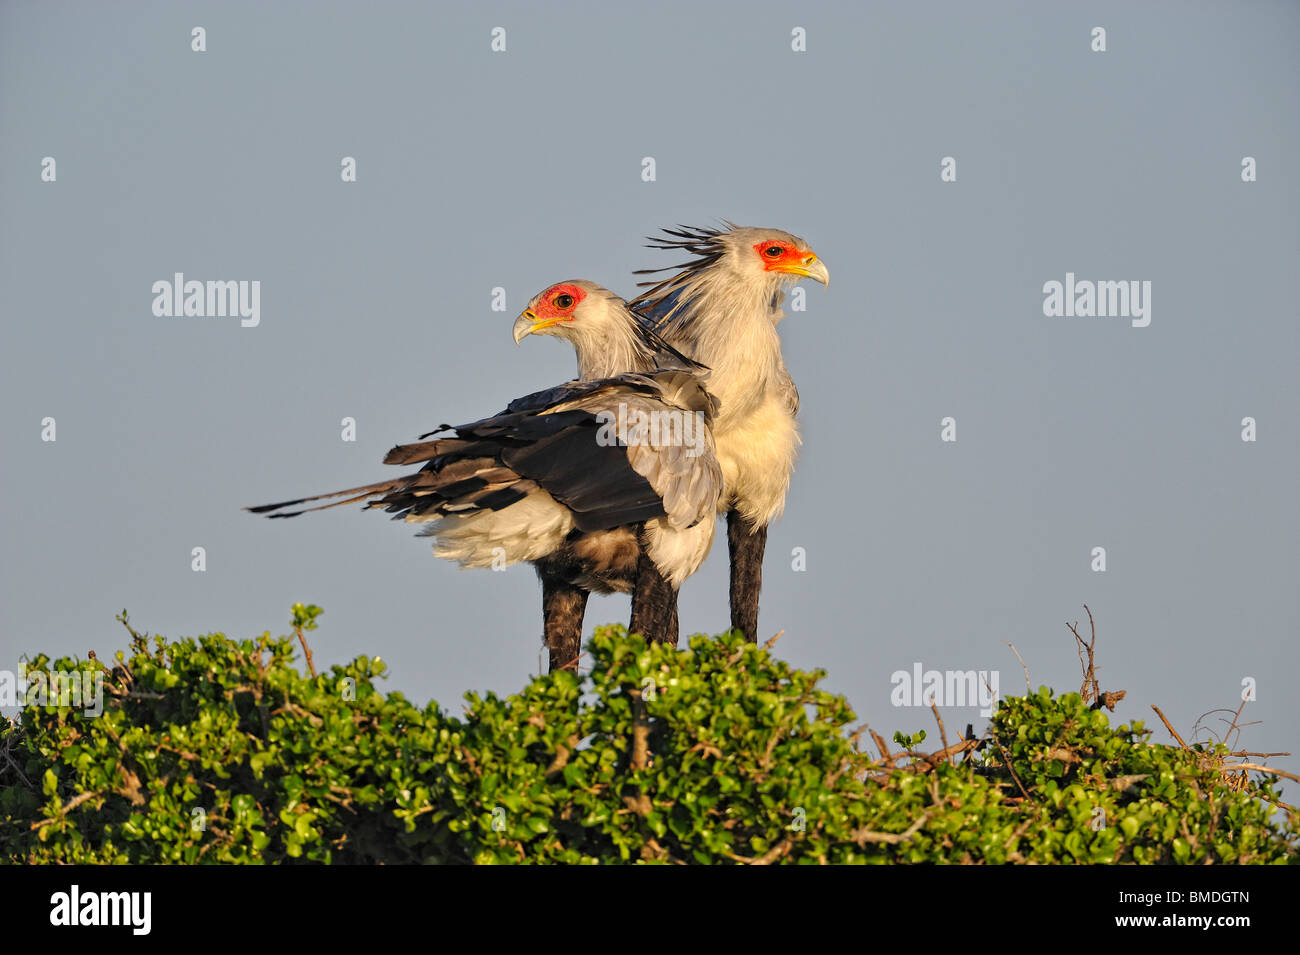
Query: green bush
{"x": 217, "y": 750}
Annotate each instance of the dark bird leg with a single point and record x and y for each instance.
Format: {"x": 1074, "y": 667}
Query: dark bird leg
{"x": 563, "y": 607}
{"x": 654, "y": 604}
{"x": 746, "y": 544}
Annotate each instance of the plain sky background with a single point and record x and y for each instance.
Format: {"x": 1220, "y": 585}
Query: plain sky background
{"x": 479, "y": 169}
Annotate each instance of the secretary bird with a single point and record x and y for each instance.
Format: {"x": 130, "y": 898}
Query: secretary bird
{"x": 721, "y": 308}
{"x": 606, "y": 483}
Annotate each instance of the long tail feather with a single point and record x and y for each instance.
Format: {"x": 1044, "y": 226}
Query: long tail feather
{"x": 423, "y": 451}
{"x": 360, "y": 493}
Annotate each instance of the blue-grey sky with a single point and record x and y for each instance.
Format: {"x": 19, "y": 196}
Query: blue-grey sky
{"x": 479, "y": 169}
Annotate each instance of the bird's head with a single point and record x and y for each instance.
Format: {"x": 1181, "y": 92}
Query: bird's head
{"x": 759, "y": 255}
{"x": 579, "y": 311}
{"x": 606, "y": 335}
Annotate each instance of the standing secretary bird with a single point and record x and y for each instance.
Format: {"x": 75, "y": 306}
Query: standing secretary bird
{"x": 721, "y": 309}
{"x": 606, "y": 483}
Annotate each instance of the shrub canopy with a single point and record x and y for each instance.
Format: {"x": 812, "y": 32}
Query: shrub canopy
{"x": 219, "y": 750}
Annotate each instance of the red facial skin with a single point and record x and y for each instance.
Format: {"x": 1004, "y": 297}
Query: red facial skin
{"x": 547, "y": 310}
{"x": 789, "y": 257}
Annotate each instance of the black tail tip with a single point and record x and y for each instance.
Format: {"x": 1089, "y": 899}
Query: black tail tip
{"x": 264, "y": 508}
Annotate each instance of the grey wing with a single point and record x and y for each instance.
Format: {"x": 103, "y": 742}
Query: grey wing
{"x": 678, "y": 459}
{"x": 668, "y": 433}
{"x": 687, "y": 390}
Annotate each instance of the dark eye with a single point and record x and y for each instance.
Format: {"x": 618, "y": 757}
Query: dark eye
{"x": 563, "y": 301}
{"x": 772, "y": 251}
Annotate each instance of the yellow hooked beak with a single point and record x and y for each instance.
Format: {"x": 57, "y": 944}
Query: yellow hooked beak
{"x": 527, "y": 323}
{"x": 812, "y": 268}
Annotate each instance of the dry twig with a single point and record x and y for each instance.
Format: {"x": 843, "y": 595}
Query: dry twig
{"x": 70, "y": 805}
{"x": 1172, "y": 732}
{"x": 864, "y": 836}
{"x": 942, "y": 735}
{"x": 305, "y": 649}
{"x": 1091, "y": 688}
{"x": 1028, "y": 688}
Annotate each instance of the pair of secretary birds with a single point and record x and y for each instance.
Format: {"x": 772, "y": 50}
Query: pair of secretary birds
{"x": 682, "y": 409}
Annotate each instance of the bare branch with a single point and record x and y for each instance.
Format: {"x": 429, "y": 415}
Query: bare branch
{"x": 1172, "y": 732}
{"x": 1091, "y": 688}
{"x": 942, "y": 735}
{"x": 1264, "y": 769}
{"x": 1028, "y": 688}
{"x": 70, "y": 805}
{"x": 306, "y": 650}
{"x": 767, "y": 858}
{"x": 864, "y": 836}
